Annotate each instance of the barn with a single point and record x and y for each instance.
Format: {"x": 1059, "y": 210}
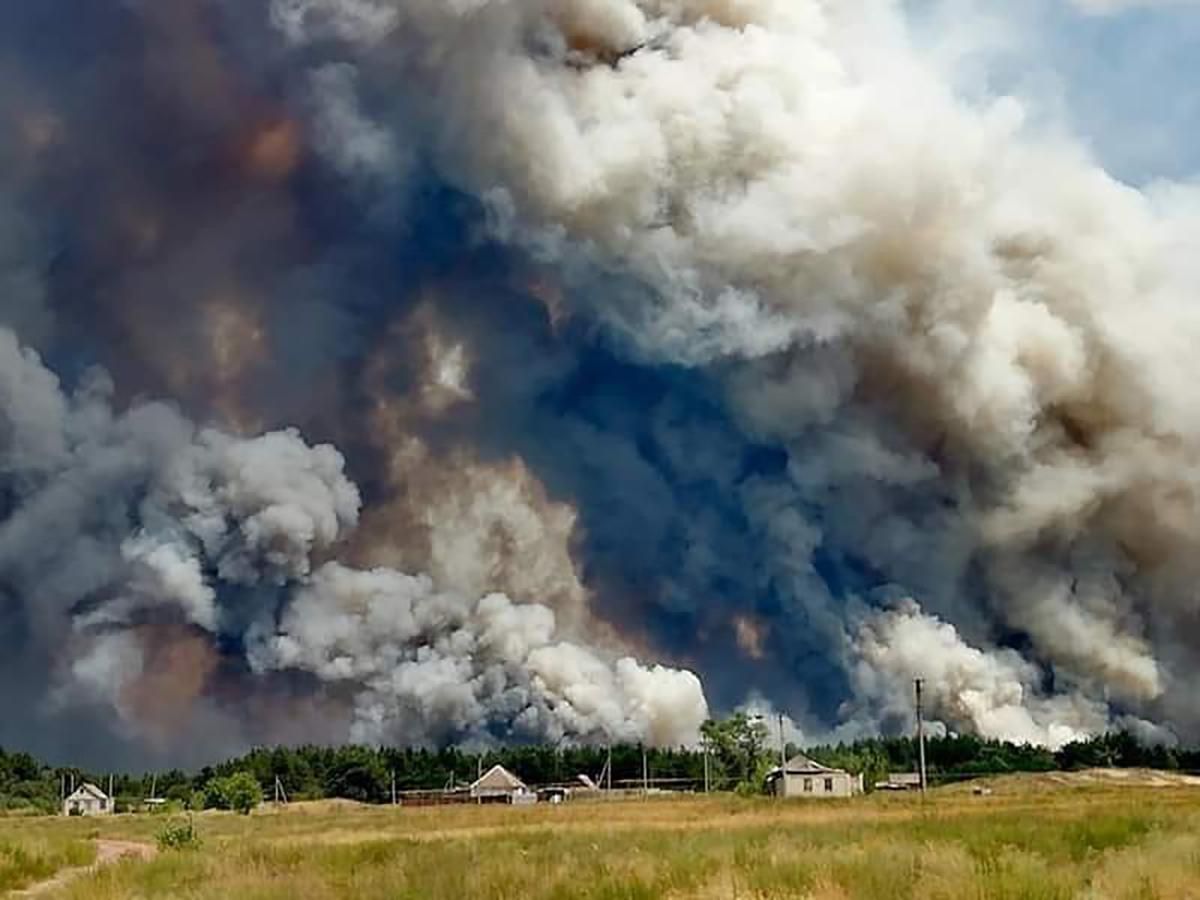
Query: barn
{"x": 88, "y": 800}
{"x": 803, "y": 777}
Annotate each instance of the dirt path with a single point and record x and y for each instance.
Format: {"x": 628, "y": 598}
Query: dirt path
{"x": 107, "y": 853}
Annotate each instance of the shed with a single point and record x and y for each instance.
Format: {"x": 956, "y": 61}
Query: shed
{"x": 900, "y": 781}
{"x": 88, "y": 800}
{"x": 498, "y": 785}
{"x": 803, "y": 777}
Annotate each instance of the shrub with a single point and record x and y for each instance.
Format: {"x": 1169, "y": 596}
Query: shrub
{"x": 240, "y": 792}
{"x": 179, "y": 835}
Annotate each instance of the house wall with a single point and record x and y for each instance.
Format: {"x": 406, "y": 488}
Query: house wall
{"x": 819, "y": 785}
{"x": 88, "y": 806}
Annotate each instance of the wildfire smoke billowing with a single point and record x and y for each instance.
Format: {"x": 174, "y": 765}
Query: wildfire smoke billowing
{"x": 399, "y": 370}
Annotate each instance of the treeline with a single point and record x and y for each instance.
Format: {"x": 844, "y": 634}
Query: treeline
{"x": 962, "y": 756}
{"x": 364, "y": 774}
{"x": 739, "y": 755}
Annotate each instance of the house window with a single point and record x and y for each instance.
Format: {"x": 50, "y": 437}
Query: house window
{"x": 808, "y": 785}
{"x": 104, "y": 804}
{"x": 829, "y": 785}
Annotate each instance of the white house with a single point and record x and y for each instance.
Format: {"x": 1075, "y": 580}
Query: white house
{"x": 498, "y": 785}
{"x": 88, "y": 800}
{"x": 802, "y": 777}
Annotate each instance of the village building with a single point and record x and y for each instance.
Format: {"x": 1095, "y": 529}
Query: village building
{"x": 88, "y": 800}
{"x": 498, "y": 785}
{"x": 900, "y": 781}
{"x": 803, "y": 777}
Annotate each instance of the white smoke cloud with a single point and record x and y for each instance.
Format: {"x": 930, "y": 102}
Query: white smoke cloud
{"x": 260, "y": 508}
{"x": 782, "y": 180}
{"x": 974, "y": 346}
{"x": 161, "y": 527}
{"x": 357, "y": 146}
{"x": 164, "y": 572}
{"x": 433, "y": 665}
{"x": 363, "y": 20}
{"x": 991, "y": 693}
{"x": 34, "y": 409}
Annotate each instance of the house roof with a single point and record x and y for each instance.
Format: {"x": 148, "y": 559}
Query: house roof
{"x": 86, "y": 790}
{"x": 498, "y": 778}
{"x": 801, "y": 764}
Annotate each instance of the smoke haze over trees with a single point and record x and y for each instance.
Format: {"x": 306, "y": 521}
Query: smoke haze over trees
{"x": 402, "y": 372}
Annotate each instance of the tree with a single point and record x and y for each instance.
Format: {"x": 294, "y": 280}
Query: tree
{"x": 358, "y": 773}
{"x": 239, "y": 792}
{"x": 736, "y": 745}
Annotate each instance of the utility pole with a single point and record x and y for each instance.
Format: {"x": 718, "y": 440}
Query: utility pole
{"x": 645, "y": 772}
{"x": 706, "y": 782}
{"x": 608, "y": 767}
{"x": 920, "y": 684}
{"x": 782, "y": 747}
{"x": 393, "y": 787}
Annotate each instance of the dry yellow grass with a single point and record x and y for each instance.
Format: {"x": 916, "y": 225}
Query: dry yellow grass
{"x": 27, "y": 858}
{"x": 1034, "y": 838}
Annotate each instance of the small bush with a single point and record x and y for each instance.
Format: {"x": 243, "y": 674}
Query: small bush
{"x": 179, "y": 835}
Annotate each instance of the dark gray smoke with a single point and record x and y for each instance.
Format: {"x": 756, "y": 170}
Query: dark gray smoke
{"x": 718, "y": 333}
{"x": 164, "y": 533}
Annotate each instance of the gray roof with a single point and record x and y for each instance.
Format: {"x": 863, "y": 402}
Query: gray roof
{"x": 802, "y": 765}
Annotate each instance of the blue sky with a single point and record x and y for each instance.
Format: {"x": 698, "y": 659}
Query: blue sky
{"x": 1132, "y": 84}
{"x": 1126, "y": 82}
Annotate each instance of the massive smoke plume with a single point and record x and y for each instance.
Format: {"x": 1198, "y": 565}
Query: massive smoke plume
{"x": 161, "y": 530}
{"x": 720, "y": 333}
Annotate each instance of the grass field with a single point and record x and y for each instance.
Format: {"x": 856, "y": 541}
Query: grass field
{"x": 1030, "y": 839}
{"x": 27, "y": 858}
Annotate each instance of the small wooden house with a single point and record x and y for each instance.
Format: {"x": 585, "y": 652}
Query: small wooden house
{"x": 498, "y": 785}
{"x": 805, "y": 778}
{"x": 88, "y": 800}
